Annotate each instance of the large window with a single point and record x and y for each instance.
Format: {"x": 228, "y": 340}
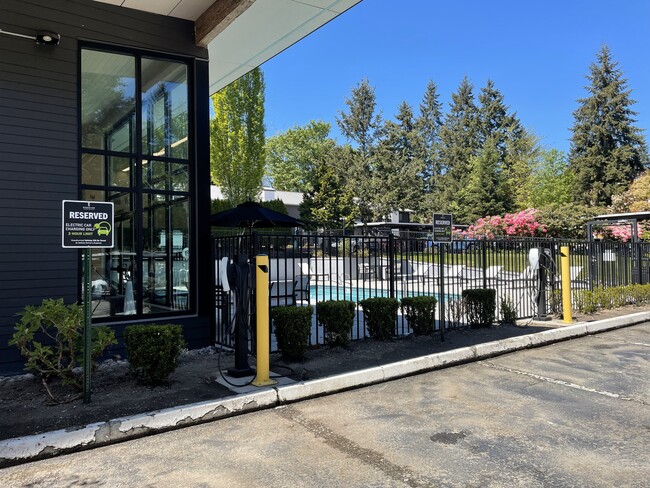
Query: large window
{"x": 135, "y": 144}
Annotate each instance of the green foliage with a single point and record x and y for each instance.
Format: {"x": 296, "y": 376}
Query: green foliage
{"x": 508, "y": 311}
{"x": 550, "y": 181}
{"x": 420, "y": 312}
{"x": 362, "y": 126}
{"x": 459, "y": 142}
{"x": 292, "y": 156}
{"x": 50, "y": 336}
{"x": 292, "y": 326}
{"x": 153, "y": 351}
{"x": 330, "y": 204}
{"x": 480, "y": 306}
{"x": 380, "y": 314}
{"x": 237, "y": 138}
{"x": 219, "y": 205}
{"x": 398, "y": 165}
{"x": 607, "y": 150}
{"x": 567, "y": 220}
{"x": 337, "y": 317}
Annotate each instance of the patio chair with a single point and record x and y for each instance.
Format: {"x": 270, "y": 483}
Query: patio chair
{"x": 307, "y": 270}
{"x": 301, "y": 289}
{"x": 365, "y": 271}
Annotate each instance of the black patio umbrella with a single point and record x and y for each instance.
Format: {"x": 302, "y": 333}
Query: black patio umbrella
{"x": 253, "y": 215}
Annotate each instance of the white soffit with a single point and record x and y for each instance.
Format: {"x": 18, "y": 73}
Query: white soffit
{"x": 265, "y": 29}
{"x": 182, "y": 9}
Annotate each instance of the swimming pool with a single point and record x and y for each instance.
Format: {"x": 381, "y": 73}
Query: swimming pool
{"x": 325, "y": 292}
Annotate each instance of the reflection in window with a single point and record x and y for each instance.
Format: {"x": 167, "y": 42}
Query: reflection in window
{"x": 114, "y": 276}
{"x": 106, "y": 170}
{"x": 164, "y": 109}
{"x": 107, "y": 100}
{"x": 166, "y": 253}
{"x": 147, "y": 272}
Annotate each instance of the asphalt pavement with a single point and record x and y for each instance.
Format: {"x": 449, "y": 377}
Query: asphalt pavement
{"x": 571, "y": 414}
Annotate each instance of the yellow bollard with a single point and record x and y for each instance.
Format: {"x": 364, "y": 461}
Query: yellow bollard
{"x": 262, "y": 314}
{"x": 566, "y": 285}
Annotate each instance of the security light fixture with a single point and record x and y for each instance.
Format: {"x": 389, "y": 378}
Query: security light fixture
{"x": 43, "y": 38}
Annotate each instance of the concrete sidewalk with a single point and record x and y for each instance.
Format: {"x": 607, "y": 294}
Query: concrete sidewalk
{"x": 24, "y": 449}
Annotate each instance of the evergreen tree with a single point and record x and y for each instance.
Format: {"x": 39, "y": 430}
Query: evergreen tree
{"x": 428, "y": 126}
{"x": 237, "y": 138}
{"x": 291, "y": 156}
{"x": 329, "y": 203}
{"x": 362, "y": 125}
{"x": 398, "y": 165}
{"x": 482, "y": 194}
{"x": 459, "y": 143}
{"x": 607, "y": 150}
{"x": 503, "y": 132}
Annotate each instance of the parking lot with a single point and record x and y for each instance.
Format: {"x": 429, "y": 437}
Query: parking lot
{"x": 572, "y": 414}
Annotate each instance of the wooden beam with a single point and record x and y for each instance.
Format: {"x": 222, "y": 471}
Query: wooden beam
{"x": 217, "y": 17}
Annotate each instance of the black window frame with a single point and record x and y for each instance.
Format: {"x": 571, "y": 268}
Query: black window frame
{"x": 137, "y": 190}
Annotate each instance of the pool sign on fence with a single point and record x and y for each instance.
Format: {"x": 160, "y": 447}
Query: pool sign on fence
{"x": 87, "y": 224}
{"x": 442, "y": 228}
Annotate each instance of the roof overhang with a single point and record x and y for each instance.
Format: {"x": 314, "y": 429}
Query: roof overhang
{"x": 242, "y": 34}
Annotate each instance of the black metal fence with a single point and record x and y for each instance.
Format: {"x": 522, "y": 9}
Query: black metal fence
{"x": 306, "y": 269}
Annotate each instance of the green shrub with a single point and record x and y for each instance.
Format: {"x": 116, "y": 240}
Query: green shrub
{"x": 420, "y": 313}
{"x": 153, "y": 351}
{"x": 587, "y": 301}
{"x": 380, "y": 315}
{"x": 508, "y": 311}
{"x": 292, "y": 326}
{"x": 480, "y": 306}
{"x": 337, "y": 318}
{"x": 62, "y": 327}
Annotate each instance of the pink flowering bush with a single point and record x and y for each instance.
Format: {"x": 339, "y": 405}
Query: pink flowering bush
{"x": 522, "y": 224}
{"x": 621, "y": 232}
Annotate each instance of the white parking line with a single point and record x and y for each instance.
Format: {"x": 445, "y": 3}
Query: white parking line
{"x": 562, "y": 383}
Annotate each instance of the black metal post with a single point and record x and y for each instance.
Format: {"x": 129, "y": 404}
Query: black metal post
{"x": 442, "y": 291}
{"x": 87, "y": 335}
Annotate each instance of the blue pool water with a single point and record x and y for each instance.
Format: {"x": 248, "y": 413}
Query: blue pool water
{"x": 323, "y": 293}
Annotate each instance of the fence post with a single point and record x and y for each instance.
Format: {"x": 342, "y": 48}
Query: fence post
{"x": 484, "y": 259}
{"x": 391, "y": 264}
{"x": 566, "y": 285}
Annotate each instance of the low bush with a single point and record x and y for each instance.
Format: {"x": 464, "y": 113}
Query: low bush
{"x": 292, "y": 326}
{"x": 380, "y": 315}
{"x": 508, "y": 311}
{"x": 337, "y": 318}
{"x": 50, "y": 337}
{"x": 420, "y": 313}
{"x": 153, "y": 351}
{"x": 480, "y": 306}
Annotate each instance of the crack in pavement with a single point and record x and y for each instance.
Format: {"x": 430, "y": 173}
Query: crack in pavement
{"x": 350, "y": 448}
{"x": 563, "y": 383}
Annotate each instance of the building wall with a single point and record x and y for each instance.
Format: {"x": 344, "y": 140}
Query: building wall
{"x": 39, "y": 146}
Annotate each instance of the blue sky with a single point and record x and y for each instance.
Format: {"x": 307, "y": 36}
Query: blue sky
{"x": 537, "y": 53}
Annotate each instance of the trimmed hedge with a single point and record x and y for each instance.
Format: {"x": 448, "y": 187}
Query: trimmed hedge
{"x": 153, "y": 351}
{"x": 421, "y": 313}
{"x": 337, "y": 318}
{"x": 589, "y": 302}
{"x": 380, "y": 314}
{"x": 480, "y": 306}
{"x": 292, "y": 326}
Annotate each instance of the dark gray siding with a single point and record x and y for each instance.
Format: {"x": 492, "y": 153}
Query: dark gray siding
{"x": 39, "y": 142}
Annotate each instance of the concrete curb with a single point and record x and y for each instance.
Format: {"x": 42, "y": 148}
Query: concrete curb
{"x": 29, "y": 448}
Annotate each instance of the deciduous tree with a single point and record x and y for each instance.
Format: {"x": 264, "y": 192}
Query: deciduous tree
{"x": 237, "y": 138}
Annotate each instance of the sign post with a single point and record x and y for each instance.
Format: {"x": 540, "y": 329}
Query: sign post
{"x": 442, "y": 224}
{"x": 87, "y": 225}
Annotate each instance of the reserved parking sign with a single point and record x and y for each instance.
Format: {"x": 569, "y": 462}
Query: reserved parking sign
{"x": 87, "y": 224}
